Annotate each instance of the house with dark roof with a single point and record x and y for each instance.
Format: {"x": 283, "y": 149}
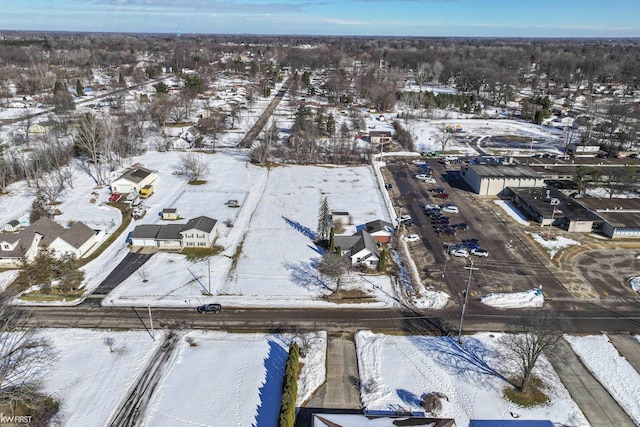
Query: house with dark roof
{"x": 197, "y": 232}
{"x": 45, "y": 234}
{"x": 361, "y": 249}
{"x": 379, "y": 229}
{"x": 133, "y": 180}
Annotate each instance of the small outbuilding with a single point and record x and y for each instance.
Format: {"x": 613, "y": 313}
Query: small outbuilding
{"x": 170, "y": 214}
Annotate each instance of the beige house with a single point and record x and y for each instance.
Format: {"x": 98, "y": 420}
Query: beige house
{"x": 170, "y": 214}
{"x": 133, "y": 180}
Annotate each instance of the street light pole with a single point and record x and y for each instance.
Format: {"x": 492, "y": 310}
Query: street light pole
{"x": 466, "y": 300}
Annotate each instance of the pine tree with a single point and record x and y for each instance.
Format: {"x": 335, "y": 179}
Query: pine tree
{"x": 79, "y": 88}
{"x": 324, "y": 221}
{"x": 382, "y": 262}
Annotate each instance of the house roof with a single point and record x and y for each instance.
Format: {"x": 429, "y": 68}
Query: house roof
{"x": 378, "y": 225}
{"x": 504, "y": 171}
{"x": 201, "y": 223}
{"x": 172, "y": 231}
{"x": 366, "y": 241}
{"x": 169, "y": 210}
{"x": 145, "y": 231}
{"x": 345, "y": 243}
{"x": 78, "y": 234}
{"x": 13, "y": 223}
{"x": 135, "y": 175}
{"x": 48, "y": 228}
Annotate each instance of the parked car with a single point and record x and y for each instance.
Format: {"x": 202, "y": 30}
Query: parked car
{"x": 388, "y": 186}
{"x": 444, "y": 196}
{"x": 419, "y": 162}
{"x": 471, "y": 245}
{"x": 114, "y": 197}
{"x": 411, "y": 238}
{"x": 432, "y": 206}
{"x": 450, "y": 209}
{"x": 459, "y": 252}
{"x": 449, "y": 231}
{"x": 461, "y": 226}
{"x": 437, "y": 190}
{"x": 139, "y": 212}
{"x": 479, "y": 252}
{"x": 209, "y": 308}
{"x": 423, "y": 176}
{"x": 471, "y": 240}
{"x": 131, "y": 196}
{"x": 429, "y": 180}
{"x": 404, "y": 218}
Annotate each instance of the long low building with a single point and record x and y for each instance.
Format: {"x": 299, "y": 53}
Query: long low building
{"x": 620, "y": 217}
{"x": 492, "y": 180}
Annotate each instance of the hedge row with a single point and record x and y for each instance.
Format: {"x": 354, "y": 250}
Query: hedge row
{"x": 290, "y": 388}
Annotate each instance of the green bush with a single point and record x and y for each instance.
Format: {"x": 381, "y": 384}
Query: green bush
{"x": 290, "y": 388}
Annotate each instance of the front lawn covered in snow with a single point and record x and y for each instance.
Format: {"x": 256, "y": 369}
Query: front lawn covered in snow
{"x": 396, "y": 371}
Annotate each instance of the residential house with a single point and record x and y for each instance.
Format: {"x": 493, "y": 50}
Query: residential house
{"x": 13, "y": 225}
{"x": 45, "y": 234}
{"x": 380, "y": 230}
{"x": 361, "y": 249}
{"x": 133, "y": 180}
{"x": 197, "y": 232}
{"x": 380, "y": 136}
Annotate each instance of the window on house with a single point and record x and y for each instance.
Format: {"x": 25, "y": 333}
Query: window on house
{"x": 202, "y": 244}
{"x": 190, "y": 244}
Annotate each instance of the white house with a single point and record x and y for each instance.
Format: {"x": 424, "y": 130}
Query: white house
{"x": 361, "y": 248}
{"x": 45, "y": 234}
{"x": 133, "y": 180}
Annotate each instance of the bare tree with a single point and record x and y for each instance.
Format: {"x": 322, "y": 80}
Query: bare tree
{"x": 93, "y": 140}
{"x": 194, "y": 166}
{"x": 23, "y": 357}
{"x": 532, "y": 334}
{"x": 109, "y": 342}
{"x": 444, "y": 136}
{"x": 334, "y": 266}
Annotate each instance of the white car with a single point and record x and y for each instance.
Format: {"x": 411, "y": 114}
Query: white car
{"x": 431, "y": 206}
{"x": 419, "y": 162}
{"x": 459, "y": 253}
{"x": 430, "y": 180}
{"x": 423, "y": 176}
{"x": 411, "y": 238}
{"x": 480, "y": 252}
{"x": 450, "y": 209}
{"x": 404, "y": 218}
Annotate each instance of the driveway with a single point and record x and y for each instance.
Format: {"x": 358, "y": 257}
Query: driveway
{"x": 129, "y": 265}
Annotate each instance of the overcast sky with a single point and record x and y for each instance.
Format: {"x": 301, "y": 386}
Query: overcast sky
{"x": 481, "y": 18}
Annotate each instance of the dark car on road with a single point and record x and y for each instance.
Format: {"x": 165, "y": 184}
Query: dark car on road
{"x": 209, "y": 308}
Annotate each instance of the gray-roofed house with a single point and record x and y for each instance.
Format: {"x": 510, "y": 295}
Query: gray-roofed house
{"x": 44, "y": 234}
{"x": 13, "y": 225}
{"x": 75, "y": 240}
{"x": 133, "y": 180}
{"x": 197, "y": 232}
{"x": 379, "y": 229}
{"x": 361, "y": 248}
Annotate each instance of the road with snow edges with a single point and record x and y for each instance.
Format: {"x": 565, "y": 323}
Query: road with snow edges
{"x": 585, "y": 317}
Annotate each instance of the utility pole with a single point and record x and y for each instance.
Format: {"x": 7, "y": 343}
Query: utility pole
{"x": 465, "y": 301}
{"x": 151, "y": 323}
{"x": 209, "y": 270}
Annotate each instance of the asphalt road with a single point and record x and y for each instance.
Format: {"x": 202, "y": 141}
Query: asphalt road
{"x": 584, "y": 318}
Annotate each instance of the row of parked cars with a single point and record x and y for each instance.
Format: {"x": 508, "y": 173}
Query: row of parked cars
{"x": 466, "y": 248}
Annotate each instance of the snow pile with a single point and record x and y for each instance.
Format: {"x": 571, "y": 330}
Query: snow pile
{"x": 612, "y": 370}
{"x": 635, "y": 284}
{"x": 431, "y": 299}
{"x": 396, "y": 371}
{"x": 530, "y": 298}
{"x": 6, "y": 278}
{"x": 554, "y": 245}
{"x": 512, "y": 211}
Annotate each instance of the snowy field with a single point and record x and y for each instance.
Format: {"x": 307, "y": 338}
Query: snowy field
{"x": 396, "y": 371}
{"x": 612, "y": 370}
{"x": 89, "y": 378}
{"x": 231, "y": 379}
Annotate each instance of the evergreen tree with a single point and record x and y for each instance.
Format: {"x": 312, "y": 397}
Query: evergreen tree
{"x": 324, "y": 221}
{"x": 331, "y": 125}
{"x": 382, "y": 263}
{"x": 121, "y": 80}
{"x": 79, "y": 88}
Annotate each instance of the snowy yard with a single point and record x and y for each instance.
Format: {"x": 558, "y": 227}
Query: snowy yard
{"x": 231, "y": 379}
{"x": 396, "y": 371}
{"x": 89, "y": 378}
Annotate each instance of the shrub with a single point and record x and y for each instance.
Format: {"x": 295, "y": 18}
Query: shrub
{"x": 290, "y": 388}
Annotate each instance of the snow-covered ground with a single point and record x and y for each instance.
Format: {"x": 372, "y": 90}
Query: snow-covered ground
{"x": 512, "y": 211}
{"x": 88, "y": 378}
{"x": 612, "y": 370}
{"x": 231, "y": 379}
{"x": 395, "y": 372}
{"x": 530, "y": 298}
{"x": 555, "y": 244}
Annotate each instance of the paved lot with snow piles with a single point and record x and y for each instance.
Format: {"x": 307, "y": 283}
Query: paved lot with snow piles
{"x": 396, "y": 371}
{"x": 231, "y": 380}
{"x": 88, "y": 378}
{"x": 612, "y": 370}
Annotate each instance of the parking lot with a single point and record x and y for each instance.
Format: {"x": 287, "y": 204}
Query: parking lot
{"x": 512, "y": 264}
